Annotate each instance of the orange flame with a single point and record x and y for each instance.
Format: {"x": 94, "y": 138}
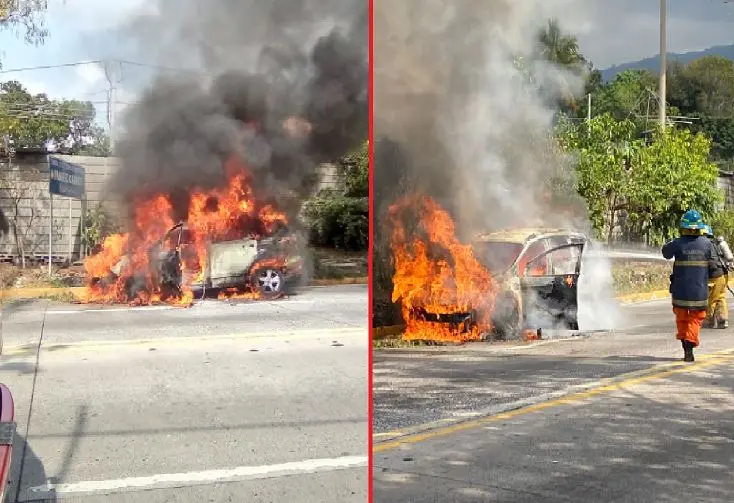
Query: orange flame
{"x": 437, "y": 274}
{"x": 224, "y": 213}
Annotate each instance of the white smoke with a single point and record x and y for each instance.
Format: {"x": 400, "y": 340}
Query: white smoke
{"x": 598, "y": 309}
{"x": 470, "y": 127}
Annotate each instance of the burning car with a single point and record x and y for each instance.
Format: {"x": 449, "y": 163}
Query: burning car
{"x": 263, "y": 266}
{"x": 494, "y": 286}
{"x": 537, "y": 271}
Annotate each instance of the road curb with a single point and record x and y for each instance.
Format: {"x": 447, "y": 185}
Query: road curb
{"x": 393, "y": 439}
{"x": 41, "y": 292}
{"x": 78, "y": 291}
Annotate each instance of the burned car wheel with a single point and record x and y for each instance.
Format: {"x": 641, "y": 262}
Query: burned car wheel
{"x": 506, "y": 318}
{"x": 268, "y": 282}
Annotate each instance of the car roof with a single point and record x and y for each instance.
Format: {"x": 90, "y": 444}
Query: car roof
{"x": 521, "y": 236}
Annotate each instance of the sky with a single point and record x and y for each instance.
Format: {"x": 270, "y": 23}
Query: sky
{"x": 609, "y": 32}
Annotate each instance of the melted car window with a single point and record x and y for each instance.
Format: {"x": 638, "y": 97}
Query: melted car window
{"x": 564, "y": 260}
{"x": 496, "y": 255}
{"x": 532, "y": 263}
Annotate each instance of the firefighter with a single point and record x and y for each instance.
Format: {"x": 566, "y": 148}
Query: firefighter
{"x": 717, "y": 314}
{"x": 689, "y": 281}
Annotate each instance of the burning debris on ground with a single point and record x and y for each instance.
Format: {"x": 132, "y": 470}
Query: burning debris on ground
{"x": 231, "y": 159}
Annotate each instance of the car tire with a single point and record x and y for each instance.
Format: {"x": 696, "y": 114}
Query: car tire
{"x": 268, "y": 282}
{"x": 506, "y": 318}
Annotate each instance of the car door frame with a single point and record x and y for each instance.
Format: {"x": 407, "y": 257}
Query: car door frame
{"x": 554, "y": 295}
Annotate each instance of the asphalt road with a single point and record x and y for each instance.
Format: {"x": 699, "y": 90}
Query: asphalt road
{"x": 494, "y": 423}
{"x": 225, "y": 401}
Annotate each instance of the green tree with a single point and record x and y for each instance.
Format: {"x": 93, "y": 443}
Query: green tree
{"x": 26, "y": 15}
{"x": 704, "y": 90}
{"x": 704, "y": 86}
{"x": 673, "y": 174}
{"x": 562, "y": 49}
{"x": 637, "y": 187}
{"x": 32, "y": 121}
{"x": 357, "y": 165}
{"x": 629, "y": 95}
{"x": 559, "y": 47}
{"x": 603, "y": 149}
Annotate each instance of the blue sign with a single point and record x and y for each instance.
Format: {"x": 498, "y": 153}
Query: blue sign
{"x": 65, "y": 179}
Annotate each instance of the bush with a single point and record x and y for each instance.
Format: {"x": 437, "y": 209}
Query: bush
{"x": 357, "y": 166}
{"x": 722, "y": 223}
{"x": 338, "y": 221}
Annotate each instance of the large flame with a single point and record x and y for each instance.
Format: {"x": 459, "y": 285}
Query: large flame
{"x": 225, "y": 213}
{"x": 437, "y": 274}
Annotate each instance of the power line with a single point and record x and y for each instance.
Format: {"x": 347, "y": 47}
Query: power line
{"x": 102, "y": 62}
{"x": 49, "y": 67}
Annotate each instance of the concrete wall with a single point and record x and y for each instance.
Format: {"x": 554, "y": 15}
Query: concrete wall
{"x": 726, "y": 184}
{"x": 24, "y": 199}
{"x": 26, "y": 202}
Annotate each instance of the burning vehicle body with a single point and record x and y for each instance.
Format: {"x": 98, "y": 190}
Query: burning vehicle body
{"x": 538, "y": 272}
{"x": 229, "y": 243}
{"x": 262, "y": 268}
{"x": 495, "y": 287}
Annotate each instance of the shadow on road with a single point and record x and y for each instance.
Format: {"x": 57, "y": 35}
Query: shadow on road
{"x": 649, "y": 444}
{"x": 33, "y": 473}
{"x": 410, "y": 390}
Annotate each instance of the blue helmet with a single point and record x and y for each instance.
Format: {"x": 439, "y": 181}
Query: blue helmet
{"x": 707, "y": 231}
{"x": 691, "y": 220}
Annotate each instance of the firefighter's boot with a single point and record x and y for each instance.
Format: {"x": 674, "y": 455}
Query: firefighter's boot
{"x": 709, "y": 322}
{"x": 722, "y": 323}
{"x": 688, "y": 351}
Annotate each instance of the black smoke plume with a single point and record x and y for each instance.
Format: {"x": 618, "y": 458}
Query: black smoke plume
{"x": 262, "y": 69}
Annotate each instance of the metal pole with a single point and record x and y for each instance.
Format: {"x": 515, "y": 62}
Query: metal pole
{"x": 50, "y": 230}
{"x": 588, "y": 112}
{"x": 71, "y": 235}
{"x": 663, "y": 63}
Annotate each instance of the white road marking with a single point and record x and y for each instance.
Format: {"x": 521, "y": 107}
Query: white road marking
{"x": 187, "y": 479}
{"x": 225, "y": 303}
{"x": 113, "y": 309}
{"x": 195, "y": 340}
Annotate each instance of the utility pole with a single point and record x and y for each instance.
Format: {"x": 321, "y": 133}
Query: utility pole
{"x": 588, "y": 115}
{"x": 588, "y": 106}
{"x": 663, "y": 63}
{"x": 112, "y": 81}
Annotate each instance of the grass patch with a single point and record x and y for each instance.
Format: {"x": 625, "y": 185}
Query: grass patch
{"x": 338, "y": 264}
{"x": 393, "y": 342}
{"x": 65, "y": 297}
{"x": 640, "y": 277}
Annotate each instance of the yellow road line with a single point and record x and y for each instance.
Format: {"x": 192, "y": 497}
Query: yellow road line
{"x": 184, "y": 340}
{"x": 630, "y": 379}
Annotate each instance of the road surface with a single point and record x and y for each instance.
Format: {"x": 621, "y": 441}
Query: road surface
{"x": 612, "y": 417}
{"x": 225, "y": 401}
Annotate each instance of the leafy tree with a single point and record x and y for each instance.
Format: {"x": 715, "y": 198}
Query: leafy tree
{"x": 721, "y": 132}
{"x": 33, "y": 121}
{"x": 629, "y": 95}
{"x": 562, "y": 49}
{"x": 559, "y": 47}
{"x": 637, "y": 187}
{"x": 26, "y": 15}
{"x": 603, "y": 149}
{"x": 357, "y": 165}
{"x": 674, "y": 174}
{"x": 704, "y": 90}
{"x": 704, "y": 86}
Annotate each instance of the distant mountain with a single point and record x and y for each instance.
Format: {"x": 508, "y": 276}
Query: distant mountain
{"x": 653, "y": 63}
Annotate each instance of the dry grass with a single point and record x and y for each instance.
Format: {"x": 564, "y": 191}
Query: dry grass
{"x": 640, "y": 277}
